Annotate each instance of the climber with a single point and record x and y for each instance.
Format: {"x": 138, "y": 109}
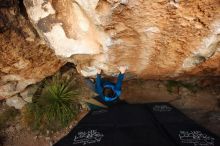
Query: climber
{"x": 108, "y": 92}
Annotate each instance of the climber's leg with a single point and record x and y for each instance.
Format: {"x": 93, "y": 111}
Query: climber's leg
{"x": 95, "y": 103}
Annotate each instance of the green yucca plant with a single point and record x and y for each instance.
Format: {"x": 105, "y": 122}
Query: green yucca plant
{"x": 56, "y": 106}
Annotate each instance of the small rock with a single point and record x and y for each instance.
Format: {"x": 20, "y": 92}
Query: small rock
{"x": 18, "y": 127}
{"x": 124, "y": 2}
{"x": 47, "y": 138}
{"x": 8, "y": 89}
{"x": 29, "y": 39}
{"x": 28, "y": 93}
{"x": 174, "y": 3}
{"x": 16, "y": 102}
{"x": 51, "y": 144}
{"x": 184, "y": 92}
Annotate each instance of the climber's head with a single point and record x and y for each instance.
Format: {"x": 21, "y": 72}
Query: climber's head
{"x": 108, "y": 92}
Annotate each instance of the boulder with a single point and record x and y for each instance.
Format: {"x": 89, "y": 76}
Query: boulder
{"x": 157, "y": 39}
{"x": 24, "y": 57}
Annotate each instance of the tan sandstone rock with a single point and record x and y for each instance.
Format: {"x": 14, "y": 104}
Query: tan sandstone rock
{"x": 16, "y": 102}
{"x": 157, "y": 39}
{"x": 24, "y": 59}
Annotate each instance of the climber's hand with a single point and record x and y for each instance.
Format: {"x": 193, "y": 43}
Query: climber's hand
{"x": 99, "y": 71}
{"x": 122, "y": 69}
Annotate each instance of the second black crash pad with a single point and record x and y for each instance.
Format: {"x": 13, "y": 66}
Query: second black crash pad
{"x": 153, "y": 124}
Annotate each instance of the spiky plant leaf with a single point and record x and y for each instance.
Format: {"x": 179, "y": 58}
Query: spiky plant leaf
{"x": 56, "y": 105}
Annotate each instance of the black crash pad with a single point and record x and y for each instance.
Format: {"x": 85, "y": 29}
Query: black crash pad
{"x": 153, "y": 124}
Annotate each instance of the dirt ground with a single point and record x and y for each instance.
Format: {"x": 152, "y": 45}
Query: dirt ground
{"x": 19, "y": 135}
{"x": 203, "y": 106}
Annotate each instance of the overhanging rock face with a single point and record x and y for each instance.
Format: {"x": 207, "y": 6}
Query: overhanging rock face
{"x": 24, "y": 58}
{"x": 156, "y": 39}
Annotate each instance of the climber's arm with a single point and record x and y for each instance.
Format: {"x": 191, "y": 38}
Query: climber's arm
{"x": 122, "y": 70}
{"x": 99, "y": 88}
{"x": 119, "y": 81}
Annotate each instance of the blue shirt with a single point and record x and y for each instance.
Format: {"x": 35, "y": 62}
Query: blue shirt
{"x": 100, "y": 85}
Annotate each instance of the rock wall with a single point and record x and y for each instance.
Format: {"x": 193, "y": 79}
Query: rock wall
{"x": 157, "y": 39}
{"x": 24, "y": 58}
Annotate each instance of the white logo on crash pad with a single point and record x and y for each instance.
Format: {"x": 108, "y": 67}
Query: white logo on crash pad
{"x": 197, "y": 138}
{"x": 162, "y": 108}
{"x": 88, "y": 137}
